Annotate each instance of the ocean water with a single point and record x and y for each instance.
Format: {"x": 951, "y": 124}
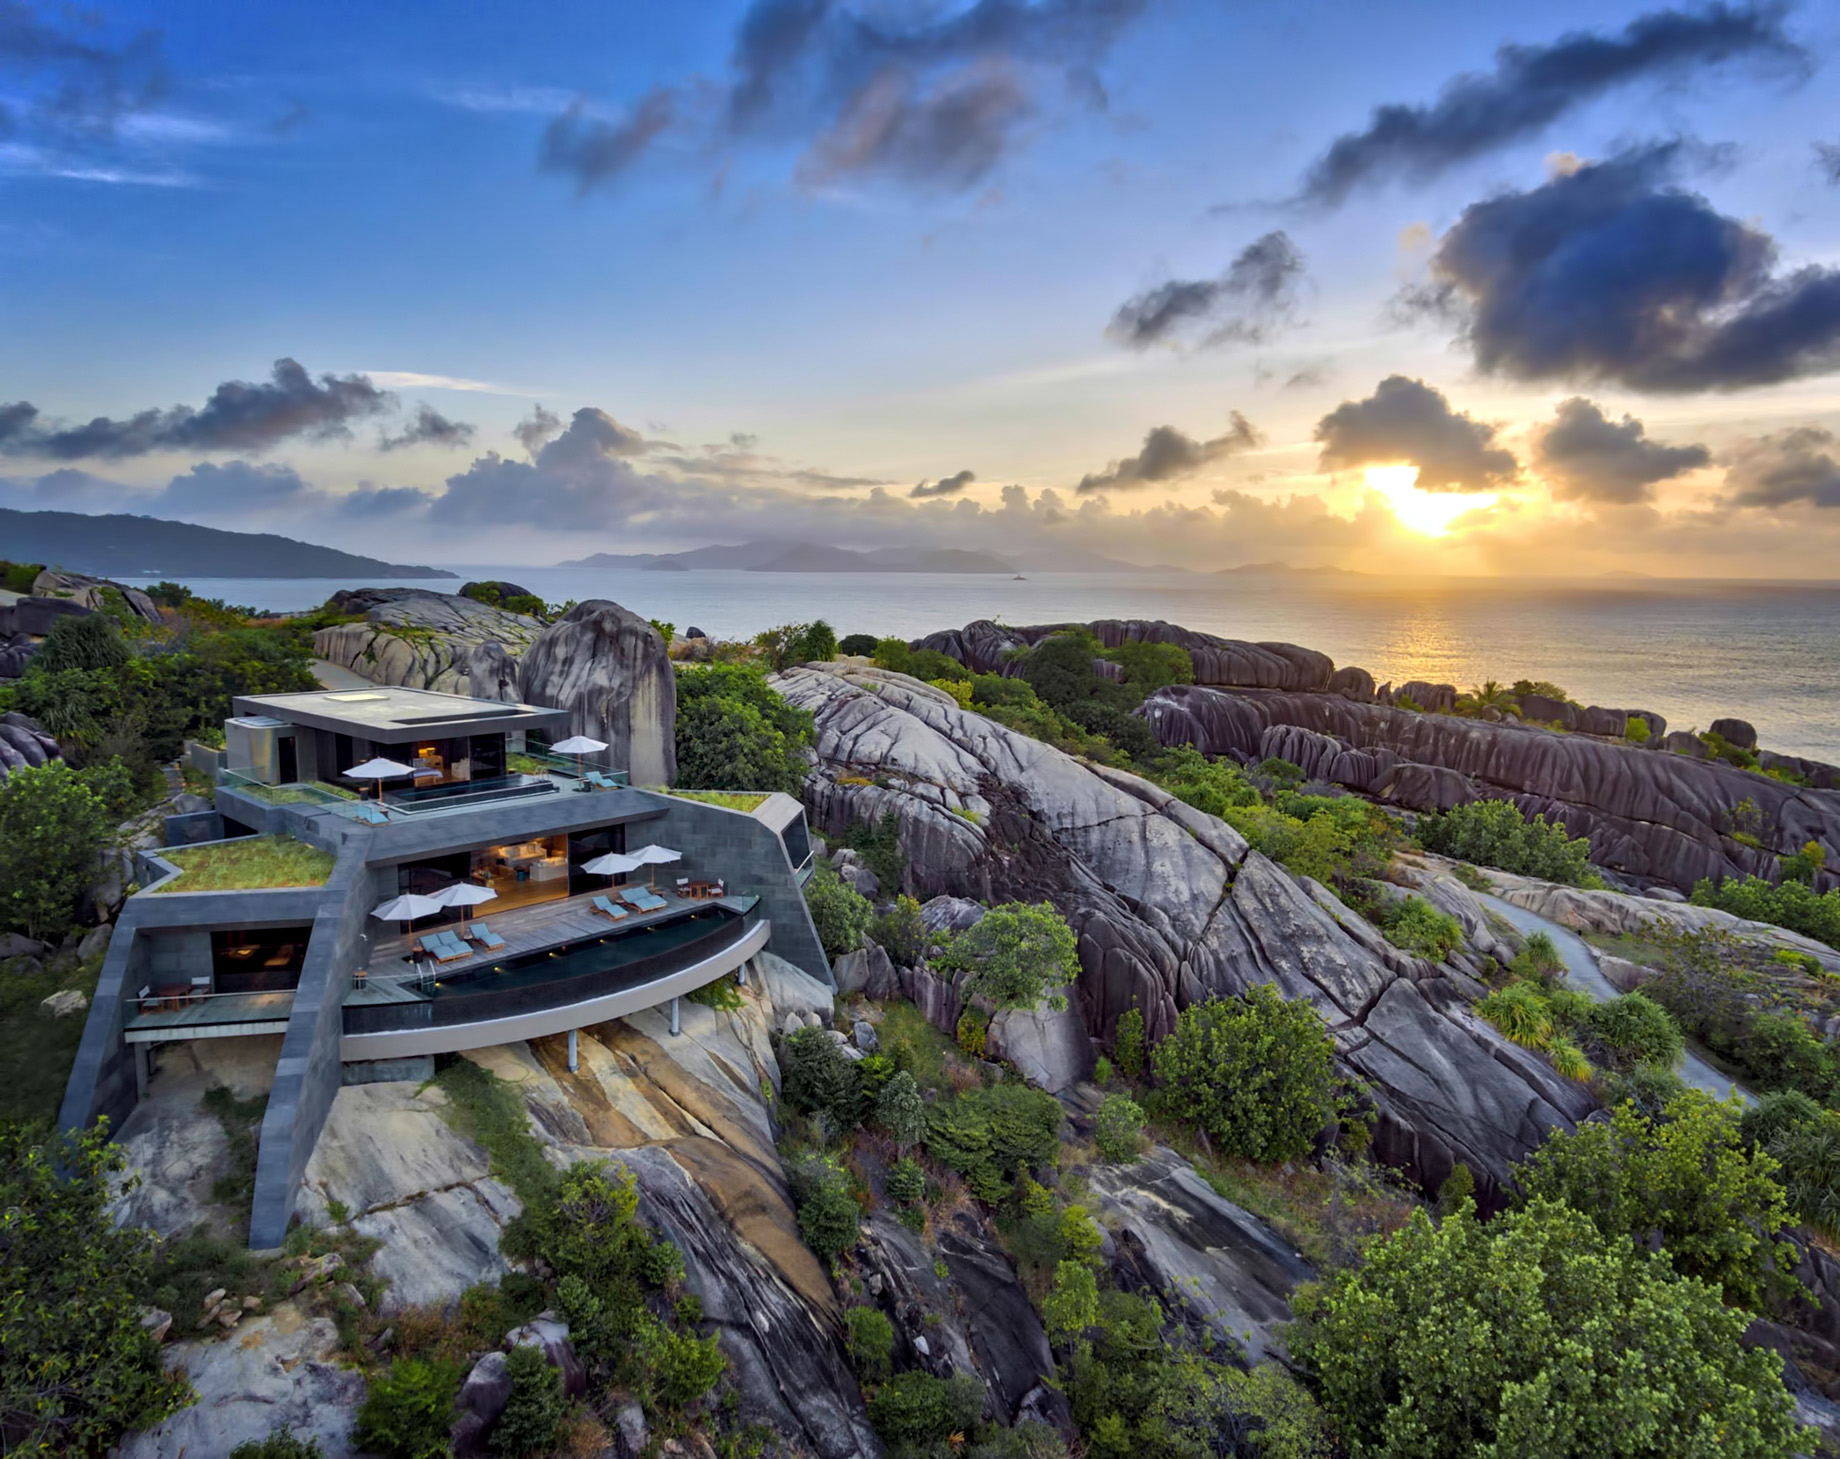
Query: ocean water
{"x": 1693, "y": 651}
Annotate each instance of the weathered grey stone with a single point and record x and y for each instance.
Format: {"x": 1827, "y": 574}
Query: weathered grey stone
{"x": 864, "y": 1036}
{"x": 65, "y": 1002}
{"x": 23, "y": 744}
{"x": 550, "y": 1335}
{"x": 95, "y": 942}
{"x": 1738, "y": 732}
{"x": 92, "y": 593}
{"x": 17, "y": 944}
{"x": 855, "y": 971}
{"x": 950, "y": 914}
{"x": 441, "y": 632}
{"x": 1050, "y": 1048}
{"x": 156, "y": 1323}
{"x": 1005, "y": 1332}
{"x": 482, "y": 1398}
{"x": 608, "y": 667}
{"x": 278, "y": 1369}
{"x": 860, "y": 879}
{"x": 1215, "y": 1263}
{"x": 629, "y": 1424}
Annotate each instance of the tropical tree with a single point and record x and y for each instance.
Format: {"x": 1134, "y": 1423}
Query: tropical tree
{"x": 1017, "y": 954}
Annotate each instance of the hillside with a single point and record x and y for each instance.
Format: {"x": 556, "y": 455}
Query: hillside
{"x": 119, "y": 545}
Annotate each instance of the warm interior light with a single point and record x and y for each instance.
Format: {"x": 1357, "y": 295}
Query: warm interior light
{"x": 1429, "y": 512}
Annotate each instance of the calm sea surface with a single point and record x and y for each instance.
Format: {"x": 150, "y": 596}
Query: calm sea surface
{"x": 1769, "y": 652}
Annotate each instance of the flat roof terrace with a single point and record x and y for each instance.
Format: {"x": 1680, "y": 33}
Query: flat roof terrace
{"x": 391, "y": 715}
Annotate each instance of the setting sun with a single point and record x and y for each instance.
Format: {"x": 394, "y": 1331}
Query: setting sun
{"x": 1429, "y": 512}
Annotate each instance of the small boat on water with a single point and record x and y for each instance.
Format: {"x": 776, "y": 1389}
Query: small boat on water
{"x": 1018, "y": 578}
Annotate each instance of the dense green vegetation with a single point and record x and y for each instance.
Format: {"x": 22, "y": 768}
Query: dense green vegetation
{"x": 1255, "y": 1073}
{"x": 76, "y": 1366}
{"x": 247, "y": 862}
{"x": 1496, "y": 833}
{"x": 54, "y": 823}
{"x": 1536, "y": 1333}
{"x": 1017, "y": 955}
{"x": 1792, "y": 904}
{"x": 797, "y": 643}
{"x": 735, "y": 733}
{"x": 839, "y": 912}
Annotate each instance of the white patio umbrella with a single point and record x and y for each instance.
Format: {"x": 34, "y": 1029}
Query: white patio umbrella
{"x": 406, "y": 908}
{"x": 579, "y": 745}
{"x": 655, "y": 856}
{"x": 379, "y": 770}
{"x": 612, "y": 864}
{"x": 463, "y": 894}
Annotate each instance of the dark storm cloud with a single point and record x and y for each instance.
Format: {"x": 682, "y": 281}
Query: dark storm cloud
{"x": 594, "y": 151}
{"x": 542, "y": 426}
{"x": 945, "y": 486}
{"x": 369, "y": 501}
{"x": 1169, "y": 455}
{"x": 78, "y": 83}
{"x": 428, "y": 427}
{"x": 1610, "y": 273}
{"x": 1787, "y": 468}
{"x": 1406, "y": 422}
{"x": 239, "y": 416}
{"x": 904, "y": 92}
{"x": 1589, "y": 457}
{"x": 1256, "y": 294}
{"x": 1532, "y": 86}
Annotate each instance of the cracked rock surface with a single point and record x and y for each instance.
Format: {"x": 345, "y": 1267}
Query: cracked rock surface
{"x": 1169, "y": 907}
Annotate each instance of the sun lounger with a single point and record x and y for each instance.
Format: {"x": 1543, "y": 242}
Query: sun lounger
{"x": 645, "y": 901}
{"x": 444, "y": 947}
{"x": 608, "y": 909}
{"x": 485, "y": 936}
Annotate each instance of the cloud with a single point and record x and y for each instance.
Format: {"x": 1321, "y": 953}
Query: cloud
{"x": 945, "y": 486}
{"x": 920, "y": 95}
{"x": 1168, "y": 455}
{"x": 77, "y": 85}
{"x": 239, "y": 416}
{"x": 369, "y": 502}
{"x": 541, "y": 427}
{"x": 1406, "y": 422}
{"x": 1256, "y": 294}
{"x": 1827, "y": 158}
{"x": 235, "y": 488}
{"x": 595, "y": 151}
{"x": 1787, "y": 468}
{"x": 1609, "y": 274}
{"x": 1533, "y": 86}
{"x": 1588, "y": 457}
{"x": 428, "y": 428}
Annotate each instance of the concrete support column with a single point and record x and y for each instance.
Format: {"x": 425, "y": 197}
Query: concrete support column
{"x": 142, "y": 1053}
{"x": 742, "y": 972}
{"x": 675, "y": 1026}
{"x": 574, "y": 1060}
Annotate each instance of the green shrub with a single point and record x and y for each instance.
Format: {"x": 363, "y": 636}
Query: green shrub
{"x": 1809, "y": 1157}
{"x": 917, "y": 1408}
{"x": 1637, "y": 731}
{"x": 76, "y": 1367}
{"x": 1538, "y": 958}
{"x": 1537, "y": 1335}
{"x": 857, "y": 644}
{"x": 1783, "y": 1054}
{"x": 986, "y": 1135}
{"x": 281, "y": 1444}
{"x": 87, "y": 641}
{"x": 1776, "y": 1114}
{"x": 1128, "y": 1043}
{"x": 818, "y": 1078}
{"x": 1118, "y": 1128}
{"x": 1792, "y": 904}
{"x": 871, "y": 1343}
{"x": 1417, "y": 927}
{"x": 1102, "y": 1071}
{"x": 1804, "y": 865}
{"x": 54, "y": 821}
{"x": 678, "y": 1367}
{"x": 1072, "y": 1303}
{"x": 1255, "y": 1073}
{"x": 723, "y": 995}
{"x": 900, "y": 933}
{"x": 900, "y": 1110}
{"x": 407, "y": 1411}
{"x": 1686, "y": 1177}
{"x": 828, "y": 1213}
{"x": 734, "y": 732}
{"x": 534, "y": 1411}
{"x": 840, "y": 913}
{"x": 1017, "y": 954}
{"x": 894, "y": 655}
{"x": 1636, "y": 1030}
{"x": 1496, "y": 833}
{"x": 905, "y": 1181}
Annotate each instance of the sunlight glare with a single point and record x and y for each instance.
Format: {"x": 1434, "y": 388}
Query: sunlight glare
{"x": 1429, "y": 512}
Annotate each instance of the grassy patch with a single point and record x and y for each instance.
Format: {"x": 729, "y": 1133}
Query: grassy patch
{"x": 734, "y": 800}
{"x": 485, "y": 1108}
{"x": 37, "y": 1050}
{"x": 235, "y": 1186}
{"x": 253, "y": 861}
{"x": 1626, "y": 945}
{"x": 916, "y": 1045}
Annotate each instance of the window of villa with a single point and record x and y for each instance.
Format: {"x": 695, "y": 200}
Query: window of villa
{"x": 258, "y": 959}
{"x": 585, "y": 846}
{"x": 522, "y": 872}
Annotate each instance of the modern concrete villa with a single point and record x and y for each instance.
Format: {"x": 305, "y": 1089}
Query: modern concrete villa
{"x": 550, "y": 895}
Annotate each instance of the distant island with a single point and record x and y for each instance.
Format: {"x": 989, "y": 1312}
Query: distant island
{"x": 802, "y": 557}
{"x": 816, "y": 557}
{"x": 1284, "y": 569}
{"x": 119, "y": 545}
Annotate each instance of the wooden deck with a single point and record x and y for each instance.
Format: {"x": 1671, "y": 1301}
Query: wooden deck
{"x": 527, "y": 929}
{"x": 225, "y": 1014}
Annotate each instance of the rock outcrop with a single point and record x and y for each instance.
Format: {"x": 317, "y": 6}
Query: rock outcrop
{"x": 607, "y": 666}
{"x": 23, "y": 743}
{"x": 985, "y": 646}
{"x": 1170, "y": 906}
{"x": 1648, "y": 814}
{"x": 418, "y": 638}
{"x": 93, "y": 593}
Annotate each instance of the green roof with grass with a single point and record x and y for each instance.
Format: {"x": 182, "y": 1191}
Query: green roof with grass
{"x": 248, "y": 863}
{"x": 733, "y": 800}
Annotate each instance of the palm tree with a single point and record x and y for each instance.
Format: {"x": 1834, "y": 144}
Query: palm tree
{"x": 1490, "y": 694}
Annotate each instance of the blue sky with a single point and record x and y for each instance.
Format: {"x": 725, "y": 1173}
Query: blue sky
{"x": 896, "y": 249}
